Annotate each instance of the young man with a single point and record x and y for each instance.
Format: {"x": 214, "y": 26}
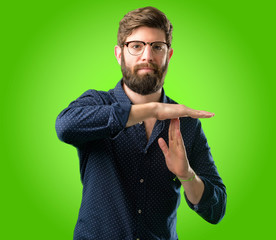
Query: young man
{"x": 137, "y": 146}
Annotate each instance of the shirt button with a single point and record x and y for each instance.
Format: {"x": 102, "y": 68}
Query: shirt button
{"x": 141, "y": 123}
{"x": 139, "y": 211}
{"x": 141, "y": 180}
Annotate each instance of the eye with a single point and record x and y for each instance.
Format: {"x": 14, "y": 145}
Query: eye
{"x": 158, "y": 46}
{"x": 136, "y": 45}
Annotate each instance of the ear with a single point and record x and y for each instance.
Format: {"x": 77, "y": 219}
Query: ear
{"x": 118, "y": 53}
{"x": 170, "y": 53}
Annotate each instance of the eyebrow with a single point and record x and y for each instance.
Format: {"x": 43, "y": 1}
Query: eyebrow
{"x": 145, "y": 41}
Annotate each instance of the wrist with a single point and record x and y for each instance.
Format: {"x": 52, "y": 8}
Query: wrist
{"x": 155, "y": 109}
{"x": 190, "y": 174}
{"x": 187, "y": 179}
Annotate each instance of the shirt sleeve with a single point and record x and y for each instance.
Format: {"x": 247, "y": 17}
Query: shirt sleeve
{"x": 213, "y": 202}
{"x": 91, "y": 117}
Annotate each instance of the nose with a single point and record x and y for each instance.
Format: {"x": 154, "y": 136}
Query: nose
{"x": 147, "y": 54}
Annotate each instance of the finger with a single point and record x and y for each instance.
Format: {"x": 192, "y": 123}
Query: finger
{"x": 170, "y": 131}
{"x": 179, "y": 138}
{"x": 163, "y": 145}
{"x": 180, "y": 141}
{"x": 199, "y": 114}
{"x": 174, "y": 131}
{"x": 178, "y": 133}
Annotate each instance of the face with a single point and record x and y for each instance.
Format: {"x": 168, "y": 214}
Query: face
{"x": 145, "y": 73}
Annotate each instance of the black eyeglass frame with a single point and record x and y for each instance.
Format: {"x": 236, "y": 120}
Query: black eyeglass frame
{"x": 145, "y": 43}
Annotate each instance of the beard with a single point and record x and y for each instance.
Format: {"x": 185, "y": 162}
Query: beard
{"x": 147, "y": 83}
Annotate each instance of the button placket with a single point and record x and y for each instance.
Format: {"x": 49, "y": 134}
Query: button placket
{"x": 141, "y": 197}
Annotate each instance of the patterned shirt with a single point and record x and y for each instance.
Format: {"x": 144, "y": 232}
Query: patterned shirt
{"x": 128, "y": 191}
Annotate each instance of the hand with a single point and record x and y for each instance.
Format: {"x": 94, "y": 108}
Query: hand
{"x": 162, "y": 111}
{"x": 170, "y": 111}
{"x": 175, "y": 155}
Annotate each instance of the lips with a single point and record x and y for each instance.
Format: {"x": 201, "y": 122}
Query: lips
{"x": 146, "y": 67}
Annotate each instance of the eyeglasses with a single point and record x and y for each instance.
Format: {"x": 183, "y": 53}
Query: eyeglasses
{"x": 137, "y": 47}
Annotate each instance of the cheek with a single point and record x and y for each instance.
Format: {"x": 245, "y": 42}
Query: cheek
{"x": 129, "y": 60}
{"x": 130, "y": 65}
{"x": 165, "y": 59}
{"x": 162, "y": 62}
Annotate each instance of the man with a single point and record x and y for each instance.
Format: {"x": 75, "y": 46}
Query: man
{"x": 137, "y": 146}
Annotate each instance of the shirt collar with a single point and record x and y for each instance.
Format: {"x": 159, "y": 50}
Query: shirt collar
{"x": 122, "y": 97}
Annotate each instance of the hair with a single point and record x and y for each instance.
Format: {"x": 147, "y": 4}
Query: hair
{"x": 147, "y": 16}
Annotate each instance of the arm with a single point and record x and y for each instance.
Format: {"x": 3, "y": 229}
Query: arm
{"x": 91, "y": 117}
{"x": 162, "y": 111}
{"x": 212, "y": 205}
{"x": 205, "y": 193}
{"x": 177, "y": 162}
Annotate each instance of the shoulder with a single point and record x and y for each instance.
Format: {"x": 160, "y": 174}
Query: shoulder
{"x": 97, "y": 96}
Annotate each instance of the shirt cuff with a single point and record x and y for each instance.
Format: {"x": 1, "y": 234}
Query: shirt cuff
{"x": 120, "y": 117}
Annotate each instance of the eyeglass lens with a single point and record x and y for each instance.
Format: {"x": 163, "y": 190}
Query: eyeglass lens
{"x": 137, "y": 48}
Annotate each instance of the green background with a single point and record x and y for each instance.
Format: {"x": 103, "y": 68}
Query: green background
{"x": 53, "y": 51}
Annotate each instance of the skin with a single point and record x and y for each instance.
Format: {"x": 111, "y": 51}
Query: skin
{"x": 150, "y": 35}
{"x": 148, "y": 108}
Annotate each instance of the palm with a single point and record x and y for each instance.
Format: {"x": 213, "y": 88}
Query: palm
{"x": 175, "y": 154}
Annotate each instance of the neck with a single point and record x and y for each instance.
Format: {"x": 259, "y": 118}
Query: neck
{"x": 136, "y": 98}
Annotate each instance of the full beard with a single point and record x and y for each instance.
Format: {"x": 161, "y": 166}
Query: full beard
{"x": 147, "y": 83}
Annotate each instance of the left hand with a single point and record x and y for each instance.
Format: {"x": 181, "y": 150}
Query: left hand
{"x": 175, "y": 155}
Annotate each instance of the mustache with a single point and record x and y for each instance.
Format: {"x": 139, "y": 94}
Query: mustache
{"x": 146, "y": 65}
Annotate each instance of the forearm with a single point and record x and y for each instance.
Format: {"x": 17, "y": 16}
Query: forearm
{"x": 77, "y": 125}
{"x": 193, "y": 189}
{"x": 213, "y": 200}
{"x": 141, "y": 112}
{"x": 212, "y": 204}
{"x": 162, "y": 111}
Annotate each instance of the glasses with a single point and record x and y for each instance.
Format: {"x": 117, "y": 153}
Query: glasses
{"x": 136, "y": 48}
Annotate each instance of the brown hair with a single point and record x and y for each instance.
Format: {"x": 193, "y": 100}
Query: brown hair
{"x": 149, "y": 17}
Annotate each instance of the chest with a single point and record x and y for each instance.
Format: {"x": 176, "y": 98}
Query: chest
{"x": 149, "y": 125}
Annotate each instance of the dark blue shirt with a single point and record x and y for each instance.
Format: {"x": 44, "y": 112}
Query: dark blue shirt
{"x": 128, "y": 191}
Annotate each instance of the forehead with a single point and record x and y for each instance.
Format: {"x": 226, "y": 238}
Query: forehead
{"x": 147, "y": 34}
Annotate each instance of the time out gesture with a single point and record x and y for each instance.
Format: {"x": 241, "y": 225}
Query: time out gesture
{"x": 175, "y": 154}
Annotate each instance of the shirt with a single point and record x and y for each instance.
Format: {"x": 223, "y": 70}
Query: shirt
{"x": 128, "y": 191}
